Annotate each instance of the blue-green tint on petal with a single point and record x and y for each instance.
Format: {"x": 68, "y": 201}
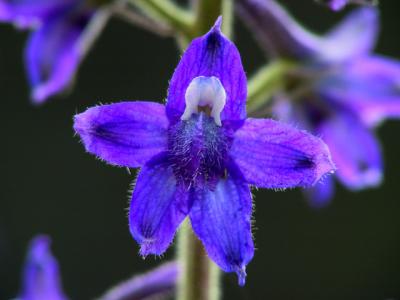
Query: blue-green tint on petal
{"x": 126, "y": 134}
{"x": 271, "y": 154}
{"x": 158, "y": 206}
{"x": 210, "y": 55}
{"x": 221, "y": 218}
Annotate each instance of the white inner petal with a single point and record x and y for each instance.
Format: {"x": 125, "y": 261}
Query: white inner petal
{"x": 205, "y": 91}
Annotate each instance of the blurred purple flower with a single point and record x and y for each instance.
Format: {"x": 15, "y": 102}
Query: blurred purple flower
{"x": 63, "y": 32}
{"x": 41, "y": 278}
{"x": 199, "y": 154}
{"x": 339, "y": 4}
{"x": 342, "y": 90}
{"x": 156, "y": 284}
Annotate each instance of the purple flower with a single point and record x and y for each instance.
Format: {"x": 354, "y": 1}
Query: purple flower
{"x": 41, "y": 278}
{"x": 339, "y": 4}
{"x": 63, "y": 32}
{"x": 340, "y": 90}
{"x": 198, "y": 154}
{"x": 152, "y": 285}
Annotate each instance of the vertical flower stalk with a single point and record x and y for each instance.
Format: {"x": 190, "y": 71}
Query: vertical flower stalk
{"x": 200, "y": 277}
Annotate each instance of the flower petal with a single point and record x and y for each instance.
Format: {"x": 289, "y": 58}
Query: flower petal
{"x": 41, "y": 273}
{"x": 159, "y": 204}
{"x": 277, "y": 31}
{"x": 354, "y": 36}
{"x": 280, "y": 34}
{"x": 275, "y": 155}
{"x": 154, "y": 284}
{"x": 355, "y": 151}
{"x": 320, "y": 195}
{"x": 221, "y": 219}
{"x": 54, "y": 52}
{"x": 337, "y": 4}
{"x": 25, "y": 13}
{"x": 210, "y": 55}
{"x": 124, "y": 134}
{"x": 370, "y": 86}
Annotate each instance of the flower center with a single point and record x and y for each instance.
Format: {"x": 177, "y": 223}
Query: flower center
{"x": 205, "y": 94}
{"x": 198, "y": 150}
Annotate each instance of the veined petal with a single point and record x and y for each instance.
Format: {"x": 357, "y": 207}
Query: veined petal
{"x": 370, "y": 86}
{"x": 272, "y": 154}
{"x": 277, "y": 31}
{"x": 55, "y": 50}
{"x": 159, "y": 204}
{"x": 320, "y": 195}
{"x": 221, "y": 218}
{"x": 41, "y": 273}
{"x": 210, "y": 55}
{"x": 26, "y": 13}
{"x": 355, "y": 151}
{"x": 124, "y": 134}
{"x": 356, "y": 35}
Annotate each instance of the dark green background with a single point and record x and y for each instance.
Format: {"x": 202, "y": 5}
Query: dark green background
{"x": 351, "y": 250}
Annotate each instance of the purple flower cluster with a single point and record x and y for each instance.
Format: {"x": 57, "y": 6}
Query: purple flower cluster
{"x": 63, "y": 32}
{"x": 346, "y": 90}
{"x": 199, "y": 154}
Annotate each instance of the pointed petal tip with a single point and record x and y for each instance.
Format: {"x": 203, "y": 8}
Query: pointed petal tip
{"x": 39, "y": 95}
{"x": 42, "y": 241}
{"x": 147, "y": 247}
{"x": 241, "y": 274}
{"x": 80, "y": 123}
{"x": 217, "y": 25}
{"x": 324, "y": 164}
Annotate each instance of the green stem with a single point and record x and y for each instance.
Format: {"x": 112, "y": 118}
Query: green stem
{"x": 199, "y": 276}
{"x": 169, "y": 12}
{"x": 207, "y": 12}
{"x": 266, "y": 82}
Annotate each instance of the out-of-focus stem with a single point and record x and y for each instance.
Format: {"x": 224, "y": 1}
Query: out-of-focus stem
{"x": 172, "y": 14}
{"x": 199, "y": 277}
{"x": 267, "y": 81}
{"x": 121, "y": 9}
{"x": 207, "y": 12}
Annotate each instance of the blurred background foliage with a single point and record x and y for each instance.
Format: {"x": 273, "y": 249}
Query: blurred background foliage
{"x": 349, "y": 250}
